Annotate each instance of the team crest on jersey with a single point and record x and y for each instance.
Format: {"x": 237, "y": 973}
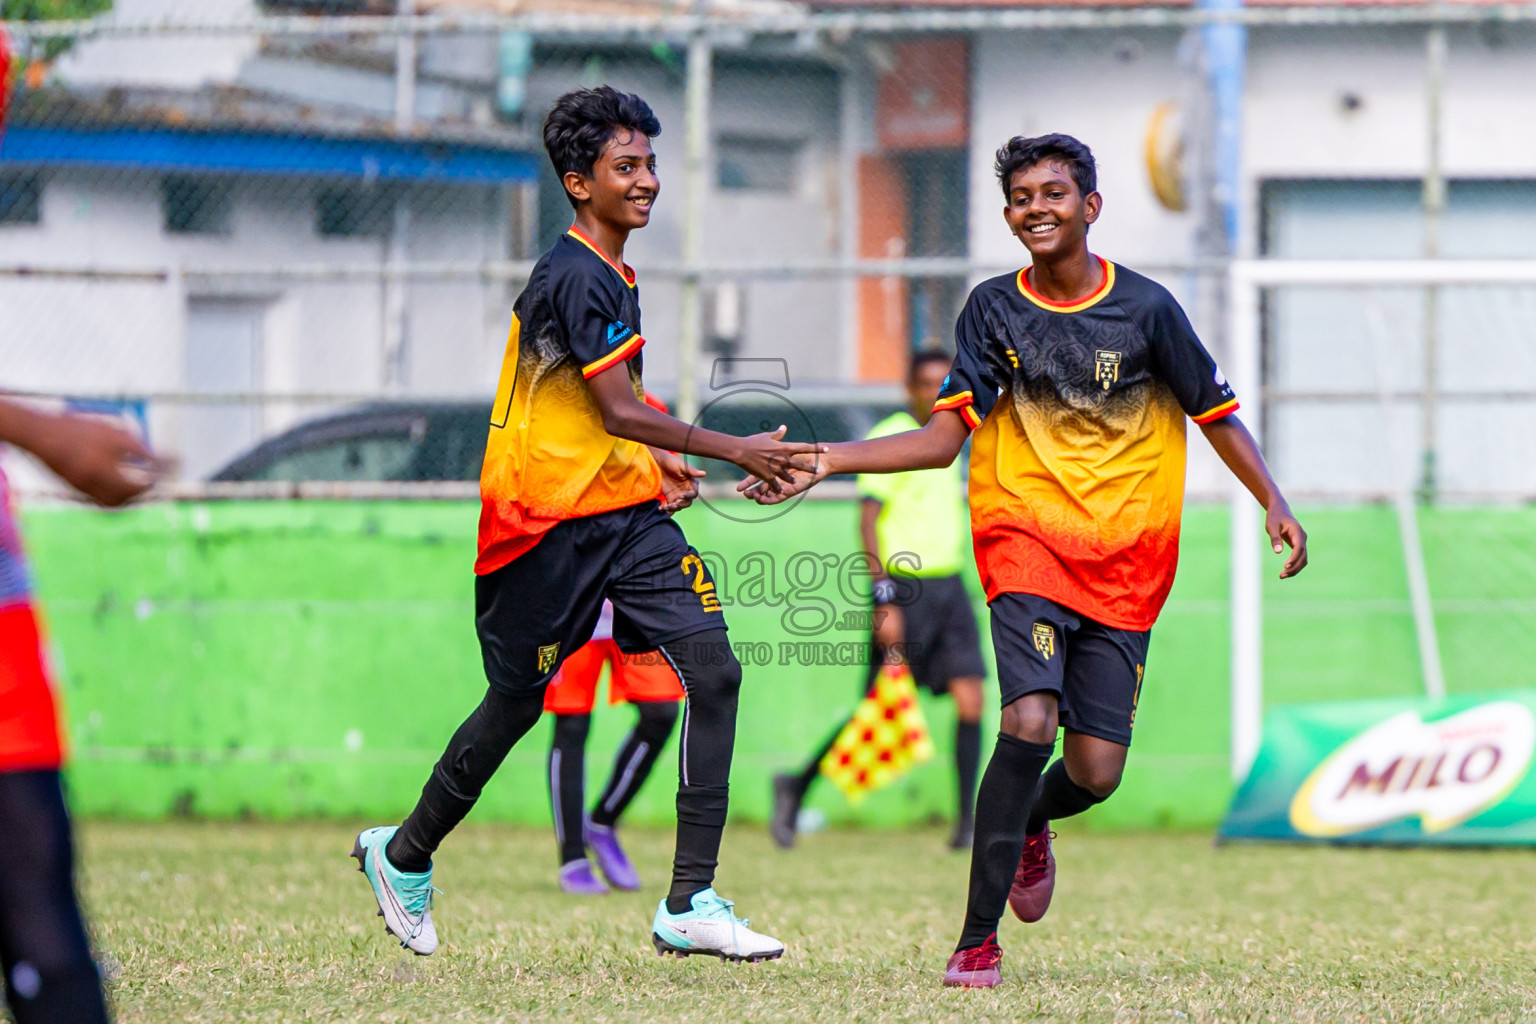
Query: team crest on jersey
{"x": 1106, "y": 367}
{"x": 1045, "y": 639}
{"x": 548, "y": 655}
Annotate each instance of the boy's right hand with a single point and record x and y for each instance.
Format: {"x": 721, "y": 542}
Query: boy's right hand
{"x": 806, "y": 472}
{"x": 101, "y": 460}
{"x": 770, "y": 460}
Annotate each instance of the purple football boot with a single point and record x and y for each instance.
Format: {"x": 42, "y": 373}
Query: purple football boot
{"x": 604, "y": 844}
{"x": 576, "y": 878}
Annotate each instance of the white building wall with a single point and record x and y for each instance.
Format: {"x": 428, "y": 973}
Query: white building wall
{"x": 76, "y": 336}
{"x": 179, "y": 61}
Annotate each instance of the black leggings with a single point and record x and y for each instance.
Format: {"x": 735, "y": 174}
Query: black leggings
{"x": 49, "y": 974}
{"x": 711, "y": 676}
{"x": 567, "y": 772}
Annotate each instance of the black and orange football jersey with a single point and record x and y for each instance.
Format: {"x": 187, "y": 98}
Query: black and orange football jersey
{"x": 548, "y": 458}
{"x": 1078, "y": 451}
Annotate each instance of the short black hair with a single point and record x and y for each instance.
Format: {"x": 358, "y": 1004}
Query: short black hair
{"x": 1020, "y": 154}
{"x": 926, "y": 356}
{"x": 582, "y": 123}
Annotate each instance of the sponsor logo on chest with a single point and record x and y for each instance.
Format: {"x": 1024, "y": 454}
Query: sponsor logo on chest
{"x": 1106, "y": 367}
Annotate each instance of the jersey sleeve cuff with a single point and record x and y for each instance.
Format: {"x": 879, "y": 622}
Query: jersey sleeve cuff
{"x": 1212, "y": 415}
{"x": 614, "y": 358}
{"x": 964, "y": 403}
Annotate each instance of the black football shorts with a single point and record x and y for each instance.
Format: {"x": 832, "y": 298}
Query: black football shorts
{"x": 535, "y": 610}
{"x": 1094, "y": 670}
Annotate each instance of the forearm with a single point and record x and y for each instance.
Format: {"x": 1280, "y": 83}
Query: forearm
{"x": 1241, "y": 454}
{"x": 21, "y": 426}
{"x": 640, "y": 423}
{"x": 931, "y": 447}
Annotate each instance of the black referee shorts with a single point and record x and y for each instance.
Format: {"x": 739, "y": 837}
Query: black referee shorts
{"x": 1094, "y": 670}
{"x": 535, "y": 610}
{"x": 940, "y": 639}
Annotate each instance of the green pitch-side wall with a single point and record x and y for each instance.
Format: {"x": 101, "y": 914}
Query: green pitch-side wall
{"x": 277, "y": 659}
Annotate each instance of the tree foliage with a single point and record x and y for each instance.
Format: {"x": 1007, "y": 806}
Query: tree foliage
{"x": 52, "y": 10}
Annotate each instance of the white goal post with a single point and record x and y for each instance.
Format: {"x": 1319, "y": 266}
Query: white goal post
{"x": 1247, "y": 281}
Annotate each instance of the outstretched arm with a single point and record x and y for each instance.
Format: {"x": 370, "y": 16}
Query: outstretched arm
{"x": 933, "y": 446}
{"x": 765, "y": 456}
{"x": 1241, "y": 454}
{"x": 107, "y": 464}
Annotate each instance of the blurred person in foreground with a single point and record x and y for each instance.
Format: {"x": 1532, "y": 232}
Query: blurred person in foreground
{"x": 1077, "y": 376}
{"x": 50, "y": 977}
{"x": 574, "y": 463}
{"x": 914, "y": 523}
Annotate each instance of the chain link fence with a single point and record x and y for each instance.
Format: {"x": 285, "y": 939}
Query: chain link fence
{"x": 286, "y": 237}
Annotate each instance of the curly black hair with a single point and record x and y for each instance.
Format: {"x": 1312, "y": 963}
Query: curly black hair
{"x": 582, "y": 123}
{"x": 1020, "y": 154}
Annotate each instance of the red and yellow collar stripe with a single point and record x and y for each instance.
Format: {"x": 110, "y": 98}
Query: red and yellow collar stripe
{"x": 1212, "y": 415}
{"x": 1076, "y": 305}
{"x": 618, "y": 355}
{"x": 964, "y": 403}
{"x": 626, "y": 271}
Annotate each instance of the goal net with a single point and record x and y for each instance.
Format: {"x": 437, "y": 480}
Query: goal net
{"x": 1396, "y": 403}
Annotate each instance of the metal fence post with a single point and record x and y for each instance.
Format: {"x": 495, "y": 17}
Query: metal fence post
{"x": 1247, "y": 606}
{"x": 696, "y": 130}
{"x": 1434, "y": 209}
{"x": 397, "y": 311}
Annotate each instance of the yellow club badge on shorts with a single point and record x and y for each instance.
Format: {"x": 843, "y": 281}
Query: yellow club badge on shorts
{"x": 548, "y": 655}
{"x": 1045, "y": 639}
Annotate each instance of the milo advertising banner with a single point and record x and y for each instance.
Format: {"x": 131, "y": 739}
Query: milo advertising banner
{"x": 1412, "y": 770}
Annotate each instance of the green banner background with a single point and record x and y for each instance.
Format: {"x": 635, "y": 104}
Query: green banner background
{"x": 1297, "y": 739}
{"x": 311, "y": 658}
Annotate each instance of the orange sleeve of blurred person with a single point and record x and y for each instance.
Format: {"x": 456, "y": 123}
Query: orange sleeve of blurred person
{"x": 657, "y": 404}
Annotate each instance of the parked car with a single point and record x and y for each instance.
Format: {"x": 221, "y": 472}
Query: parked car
{"x": 435, "y": 441}
{"x": 384, "y": 441}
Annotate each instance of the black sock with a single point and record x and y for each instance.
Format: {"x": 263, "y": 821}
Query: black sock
{"x": 472, "y": 757}
{"x": 967, "y": 764}
{"x": 711, "y": 675}
{"x": 635, "y": 760}
{"x": 812, "y": 770}
{"x": 1002, "y": 805}
{"x": 49, "y": 974}
{"x": 567, "y": 783}
{"x": 1058, "y": 797}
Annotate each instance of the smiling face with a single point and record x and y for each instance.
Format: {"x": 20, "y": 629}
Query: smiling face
{"x": 623, "y": 186}
{"x": 1047, "y": 211}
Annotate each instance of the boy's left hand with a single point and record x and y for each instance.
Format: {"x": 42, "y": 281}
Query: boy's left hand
{"x": 807, "y": 471}
{"x": 679, "y": 481}
{"x": 1283, "y": 529}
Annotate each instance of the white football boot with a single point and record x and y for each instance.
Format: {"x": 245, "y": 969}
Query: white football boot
{"x": 709, "y": 928}
{"x": 405, "y": 897}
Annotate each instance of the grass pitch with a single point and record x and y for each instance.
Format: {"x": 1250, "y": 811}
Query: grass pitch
{"x": 218, "y": 922}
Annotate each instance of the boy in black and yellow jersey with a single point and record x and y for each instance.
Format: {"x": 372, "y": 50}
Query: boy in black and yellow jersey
{"x": 1076, "y": 376}
{"x": 579, "y": 477}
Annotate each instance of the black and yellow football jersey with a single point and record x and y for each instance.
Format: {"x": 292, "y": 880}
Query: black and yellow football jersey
{"x": 548, "y": 457}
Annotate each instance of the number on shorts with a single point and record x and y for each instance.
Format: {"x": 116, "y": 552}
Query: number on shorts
{"x": 701, "y": 586}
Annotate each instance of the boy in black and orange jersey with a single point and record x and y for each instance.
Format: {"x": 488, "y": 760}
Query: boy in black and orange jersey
{"x": 574, "y": 467}
{"x": 1076, "y": 377}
